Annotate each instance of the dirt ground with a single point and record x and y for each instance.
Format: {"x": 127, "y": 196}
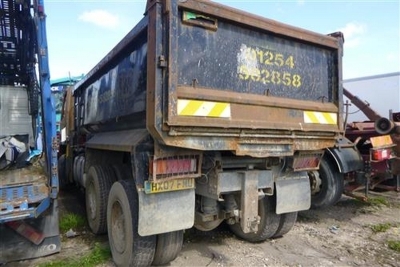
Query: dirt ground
{"x": 341, "y": 235}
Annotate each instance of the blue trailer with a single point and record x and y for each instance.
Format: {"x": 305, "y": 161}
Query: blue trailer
{"x": 29, "y": 223}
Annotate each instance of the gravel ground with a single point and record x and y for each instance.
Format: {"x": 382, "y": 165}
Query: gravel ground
{"x": 341, "y": 235}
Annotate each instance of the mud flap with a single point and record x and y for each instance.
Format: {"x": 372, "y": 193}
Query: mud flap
{"x": 165, "y": 212}
{"x": 346, "y": 156}
{"x": 293, "y": 193}
{"x": 19, "y": 243}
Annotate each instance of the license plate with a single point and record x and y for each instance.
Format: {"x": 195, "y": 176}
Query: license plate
{"x": 167, "y": 186}
{"x": 381, "y": 141}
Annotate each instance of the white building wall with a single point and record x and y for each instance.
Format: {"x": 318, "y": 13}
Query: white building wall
{"x": 382, "y": 92}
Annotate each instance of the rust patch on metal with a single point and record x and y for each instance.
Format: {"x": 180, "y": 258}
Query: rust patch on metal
{"x": 29, "y": 175}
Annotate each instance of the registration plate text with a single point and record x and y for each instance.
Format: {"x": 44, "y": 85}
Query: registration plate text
{"x": 166, "y": 186}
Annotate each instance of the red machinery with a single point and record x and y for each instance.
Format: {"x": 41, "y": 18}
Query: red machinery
{"x": 378, "y": 141}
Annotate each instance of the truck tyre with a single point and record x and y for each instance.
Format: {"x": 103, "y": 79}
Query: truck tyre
{"x": 168, "y": 247}
{"x": 62, "y": 172}
{"x": 98, "y": 184}
{"x": 286, "y": 223}
{"x": 78, "y": 170}
{"x": 128, "y": 248}
{"x": 331, "y": 185}
{"x": 269, "y": 222}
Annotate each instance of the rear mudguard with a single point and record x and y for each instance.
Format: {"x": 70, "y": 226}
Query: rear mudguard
{"x": 346, "y": 156}
{"x": 15, "y": 246}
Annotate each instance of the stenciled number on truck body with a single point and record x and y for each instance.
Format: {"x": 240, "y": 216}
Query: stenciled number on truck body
{"x": 255, "y": 64}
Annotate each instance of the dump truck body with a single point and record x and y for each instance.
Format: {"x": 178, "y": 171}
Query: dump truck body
{"x": 208, "y": 114}
{"x": 220, "y": 76}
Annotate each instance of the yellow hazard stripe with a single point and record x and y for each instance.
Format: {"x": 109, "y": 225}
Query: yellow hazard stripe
{"x": 200, "y": 108}
{"x": 320, "y": 117}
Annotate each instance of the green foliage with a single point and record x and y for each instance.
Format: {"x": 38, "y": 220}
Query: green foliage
{"x": 72, "y": 221}
{"x": 395, "y": 245}
{"x": 97, "y": 256}
{"x": 378, "y": 201}
{"x": 380, "y": 228}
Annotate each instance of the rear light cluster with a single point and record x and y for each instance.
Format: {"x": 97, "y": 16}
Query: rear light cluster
{"x": 175, "y": 167}
{"x": 307, "y": 160}
{"x": 381, "y": 154}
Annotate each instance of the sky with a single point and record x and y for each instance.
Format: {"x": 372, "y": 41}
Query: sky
{"x": 81, "y": 32}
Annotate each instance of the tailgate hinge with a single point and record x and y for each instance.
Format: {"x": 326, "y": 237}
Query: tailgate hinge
{"x": 162, "y": 62}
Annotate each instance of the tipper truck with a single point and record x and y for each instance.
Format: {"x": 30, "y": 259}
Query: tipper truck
{"x": 28, "y": 143}
{"x": 201, "y": 114}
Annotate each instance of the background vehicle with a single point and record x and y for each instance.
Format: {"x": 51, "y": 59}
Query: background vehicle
{"x": 58, "y": 88}
{"x": 378, "y": 141}
{"x": 364, "y": 158}
{"x": 202, "y": 114}
{"x": 28, "y": 147}
{"x": 370, "y": 119}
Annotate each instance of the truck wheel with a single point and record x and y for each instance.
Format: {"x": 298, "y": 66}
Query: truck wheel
{"x": 168, "y": 247}
{"x": 98, "y": 184}
{"x": 268, "y": 226}
{"x": 286, "y": 223}
{"x": 128, "y": 248}
{"x": 62, "y": 172}
{"x": 78, "y": 170}
{"x": 329, "y": 187}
